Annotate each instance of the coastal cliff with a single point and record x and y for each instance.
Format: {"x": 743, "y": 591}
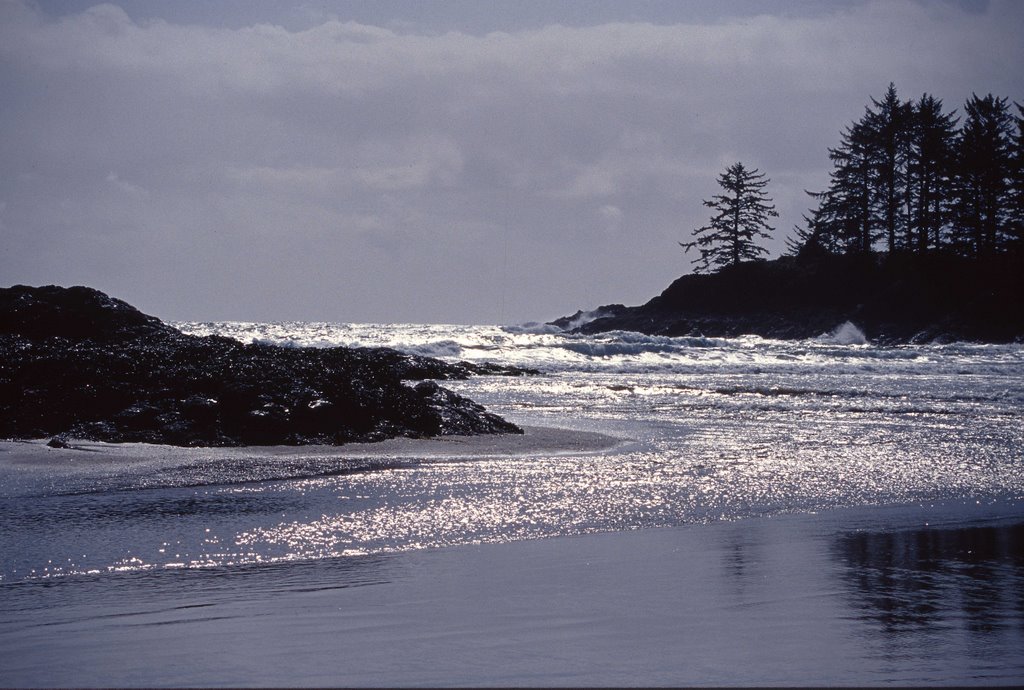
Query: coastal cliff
{"x": 892, "y": 299}
{"x": 77, "y": 363}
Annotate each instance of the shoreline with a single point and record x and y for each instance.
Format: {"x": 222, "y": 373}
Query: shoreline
{"x": 541, "y": 440}
{"x": 893, "y": 298}
{"x": 869, "y": 595}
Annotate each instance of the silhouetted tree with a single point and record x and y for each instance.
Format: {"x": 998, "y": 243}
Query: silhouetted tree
{"x": 844, "y": 217}
{"x": 889, "y": 128}
{"x": 1017, "y": 205}
{"x": 742, "y": 214}
{"x": 904, "y": 175}
{"x": 984, "y": 170}
{"x": 930, "y": 172}
{"x": 802, "y": 237}
{"x": 813, "y": 237}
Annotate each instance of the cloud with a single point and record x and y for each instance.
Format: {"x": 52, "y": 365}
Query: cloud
{"x": 277, "y": 169}
{"x": 127, "y": 187}
{"x": 611, "y": 218}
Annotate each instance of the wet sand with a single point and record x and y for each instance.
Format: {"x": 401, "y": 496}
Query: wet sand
{"x": 906, "y": 595}
{"x": 534, "y": 441}
{"x": 28, "y": 466}
{"x": 899, "y": 595}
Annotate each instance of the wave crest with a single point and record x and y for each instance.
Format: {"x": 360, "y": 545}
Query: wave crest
{"x": 846, "y": 333}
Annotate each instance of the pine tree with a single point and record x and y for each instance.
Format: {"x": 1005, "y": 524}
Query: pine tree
{"x": 742, "y": 215}
{"x": 844, "y": 214}
{"x": 1017, "y": 200}
{"x": 802, "y": 239}
{"x": 904, "y": 175}
{"x": 984, "y": 170}
{"x": 930, "y": 172}
{"x": 814, "y": 237}
{"x": 888, "y": 130}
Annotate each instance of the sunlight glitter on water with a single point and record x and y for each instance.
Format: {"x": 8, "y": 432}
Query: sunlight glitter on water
{"x": 724, "y": 471}
{"x": 715, "y": 429}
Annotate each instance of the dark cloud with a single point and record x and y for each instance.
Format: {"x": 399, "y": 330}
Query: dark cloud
{"x": 204, "y": 167}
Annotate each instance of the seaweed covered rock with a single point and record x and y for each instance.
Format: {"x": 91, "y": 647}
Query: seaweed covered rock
{"x": 78, "y": 363}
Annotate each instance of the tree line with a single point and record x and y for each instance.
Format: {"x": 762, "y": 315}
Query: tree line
{"x": 907, "y": 177}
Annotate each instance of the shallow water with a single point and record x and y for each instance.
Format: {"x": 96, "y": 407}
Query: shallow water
{"x": 715, "y": 431}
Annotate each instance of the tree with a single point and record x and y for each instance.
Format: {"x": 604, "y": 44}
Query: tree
{"x": 742, "y": 214}
{"x": 889, "y": 129}
{"x": 844, "y": 219}
{"x": 802, "y": 238}
{"x": 814, "y": 237}
{"x": 1017, "y": 206}
{"x": 930, "y": 172}
{"x": 905, "y": 177}
{"x": 985, "y": 167}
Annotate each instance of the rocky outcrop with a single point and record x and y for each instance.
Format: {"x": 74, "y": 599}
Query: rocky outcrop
{"x": 581, "y": 318}
{"x": 893, "y": 299}
{"x": 78, "y": 363}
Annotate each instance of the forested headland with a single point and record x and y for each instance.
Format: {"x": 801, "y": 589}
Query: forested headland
{"x": 918, "y": 237}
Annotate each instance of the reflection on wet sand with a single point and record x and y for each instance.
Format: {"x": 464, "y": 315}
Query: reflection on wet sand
{"x": 143, "y": 595}
{"x": 915, "y": 584}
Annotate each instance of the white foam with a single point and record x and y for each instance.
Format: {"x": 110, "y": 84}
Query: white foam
{"x": 439, "y": 349}
{"x": 586, "y": 317}
{"x": 551, "y": 350}
{"x": 846, "y": 333}
{"x": 532, "y": 328}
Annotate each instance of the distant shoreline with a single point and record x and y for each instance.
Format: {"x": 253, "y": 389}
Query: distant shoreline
{"x": 893, "y": 299}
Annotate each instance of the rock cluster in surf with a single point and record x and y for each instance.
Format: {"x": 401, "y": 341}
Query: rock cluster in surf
{"x": 78, "y": 363}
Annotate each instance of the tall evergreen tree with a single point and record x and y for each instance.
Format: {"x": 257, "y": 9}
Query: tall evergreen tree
{"x": 1017, "y": 205}
{"x": 844, "y": 214}
{"x": 984, "y": 171}
{"x": 742, "y": 217}
{"x": 929, "y": 172}
{"x": 813, "y": 237}
{"x": 889, "y": 127}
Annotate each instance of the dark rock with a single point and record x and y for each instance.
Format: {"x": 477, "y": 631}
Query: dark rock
{"x": 77, "y": 363}
{"x": 74, "y": 313}
{"x": 893, "y": 299}
{"x": 493, "y": 369}
{"x": 580, "y": 318}
{"x": 460, "y": 414}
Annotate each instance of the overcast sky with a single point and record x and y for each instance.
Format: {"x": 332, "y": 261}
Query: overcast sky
{"x": 460, "y": 162}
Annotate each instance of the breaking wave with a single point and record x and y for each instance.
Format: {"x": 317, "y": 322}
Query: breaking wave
{"x": 846, "y": 333}
{"x": 630, "y": 344}
{"x": 552, "y": 350}
{"x": 585, "y": 317}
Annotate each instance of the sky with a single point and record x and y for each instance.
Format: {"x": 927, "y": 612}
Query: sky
{"x": 434, "y": 162}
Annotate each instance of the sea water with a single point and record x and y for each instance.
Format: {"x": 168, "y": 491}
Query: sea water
{"x": 710, "y": 431}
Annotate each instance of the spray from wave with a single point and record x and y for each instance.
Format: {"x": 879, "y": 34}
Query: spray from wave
{"x": 846, "y": 333}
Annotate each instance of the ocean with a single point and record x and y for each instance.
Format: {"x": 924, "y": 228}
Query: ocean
{"x": 899, "y": 472}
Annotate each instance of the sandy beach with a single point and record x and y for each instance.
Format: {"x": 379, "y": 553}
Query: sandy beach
{"x": 847, "y": 597}
{"x": 90, "y": 465}
{"x": 83, "y": 453}
{"x": 906, "y": 595}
